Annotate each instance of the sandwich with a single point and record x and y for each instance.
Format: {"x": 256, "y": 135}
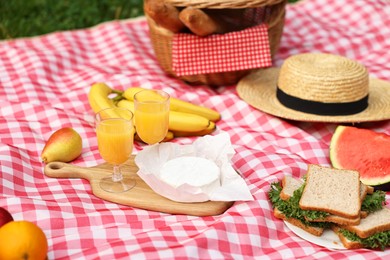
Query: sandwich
{"x": 336, "y": 192}
{"x": 372, "y": 232}
{"x": 325, "y": 198}
{"x": 285, "y": 197}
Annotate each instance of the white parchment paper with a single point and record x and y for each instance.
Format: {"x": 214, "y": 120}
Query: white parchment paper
{"x": 217, "y": 148}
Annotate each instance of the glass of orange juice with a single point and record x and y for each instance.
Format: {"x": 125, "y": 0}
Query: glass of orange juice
{"x": 151, "y": 112}
{"x": 115, "y": 135}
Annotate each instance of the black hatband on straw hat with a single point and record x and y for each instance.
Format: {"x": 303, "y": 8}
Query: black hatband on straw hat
{"x": 322, "y": 108}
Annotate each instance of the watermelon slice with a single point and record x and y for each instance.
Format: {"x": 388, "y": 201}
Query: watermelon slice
{"x": 365, "y": 151}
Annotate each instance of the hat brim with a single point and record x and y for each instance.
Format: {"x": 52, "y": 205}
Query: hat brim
{"x": 259, "y": 90}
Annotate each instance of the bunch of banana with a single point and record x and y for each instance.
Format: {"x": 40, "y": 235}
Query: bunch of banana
{"x": 185, "y": 119}
{"x": 98, "y": 97}
{"x": 180, "y": 105}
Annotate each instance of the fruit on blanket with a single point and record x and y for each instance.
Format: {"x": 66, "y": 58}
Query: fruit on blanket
{"x": 63, "y": 145}
{"x": 178, "y": 121}
{"x": 363, "y": 150}
{"x": 22, "y": 240}
{"x": 179, "y": 105}
{"x": 5, "y": 217}
{"x": 98, "y": 97}
{"x": 203, "y": 132}
{"x": 185, "y": 119}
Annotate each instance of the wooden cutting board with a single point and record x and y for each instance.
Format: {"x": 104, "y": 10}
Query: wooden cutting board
{"x": 141, "y": 196}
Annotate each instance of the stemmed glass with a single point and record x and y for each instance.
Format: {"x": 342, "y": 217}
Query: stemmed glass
{"x": 115, "y": 135}
{"x": 151, "y": 111}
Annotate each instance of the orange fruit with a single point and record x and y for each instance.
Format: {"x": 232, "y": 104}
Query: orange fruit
{"x": 22, "y": 240}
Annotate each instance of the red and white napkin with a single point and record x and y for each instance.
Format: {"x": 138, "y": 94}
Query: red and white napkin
{"x": 241, "y": 50}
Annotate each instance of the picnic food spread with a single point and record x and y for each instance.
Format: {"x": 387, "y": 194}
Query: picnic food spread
{"x": 341, "y": 198}
{"x": 373, "y": 164}
{"x": 21, "y": 239}
{"x": 260, "y": 157}
{"x": 336, "y": 199}
{"x": 185, "y": 119}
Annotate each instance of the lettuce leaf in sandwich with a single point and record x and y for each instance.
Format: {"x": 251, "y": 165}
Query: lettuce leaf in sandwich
{"x": 373, "y": 202}
{"x": 379, "y": 240}
{"x": 290, "y": 208}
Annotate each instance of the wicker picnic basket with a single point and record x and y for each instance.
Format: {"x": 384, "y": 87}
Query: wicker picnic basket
{"x": 255, "y": 12}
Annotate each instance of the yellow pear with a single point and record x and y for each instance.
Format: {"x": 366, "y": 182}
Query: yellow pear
{"x": 64, "y": 145}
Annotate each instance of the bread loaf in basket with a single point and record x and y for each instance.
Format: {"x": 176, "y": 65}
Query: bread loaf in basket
{"x": 204, "y": 18}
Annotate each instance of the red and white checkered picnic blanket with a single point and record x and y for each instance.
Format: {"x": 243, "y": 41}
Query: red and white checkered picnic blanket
{"x": 44, "y": 83}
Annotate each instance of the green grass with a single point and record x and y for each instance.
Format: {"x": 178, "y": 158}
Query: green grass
{"x": 21, "y": 18}
{"x": 24, "y": 18}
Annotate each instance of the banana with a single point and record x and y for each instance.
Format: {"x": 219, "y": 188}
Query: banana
{"x": 178, "y": 121}
{"x": 179, "y": 105}
{"x": 126, "y": 104}
{"x": 203, "y": 132}
{"x": 168, "y": 137}
{"x": 98, "y": 98}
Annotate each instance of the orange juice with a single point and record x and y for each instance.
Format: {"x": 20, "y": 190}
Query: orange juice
{"x": 151, "y": 123}
{"x": 115, "y": 140}
{"x": 151, "y": 115}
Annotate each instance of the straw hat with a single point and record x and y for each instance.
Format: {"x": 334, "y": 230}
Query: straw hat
{"x": 318, "y": 87}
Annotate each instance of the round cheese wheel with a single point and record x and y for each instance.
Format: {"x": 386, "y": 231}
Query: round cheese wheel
{"x": 191, "y": 170}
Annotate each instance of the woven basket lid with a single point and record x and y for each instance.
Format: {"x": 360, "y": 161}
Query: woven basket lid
{"x": 320, "y": 81}
{"x": 223, "y": 4}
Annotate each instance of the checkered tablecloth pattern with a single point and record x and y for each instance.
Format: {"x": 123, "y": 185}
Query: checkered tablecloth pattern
{"x": 243, "y": 50}
{"x": 44, "y": 83}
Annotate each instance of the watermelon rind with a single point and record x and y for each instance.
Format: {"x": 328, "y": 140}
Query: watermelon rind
{"x": 333, "y": 146}
{"x": 362, "y": 150}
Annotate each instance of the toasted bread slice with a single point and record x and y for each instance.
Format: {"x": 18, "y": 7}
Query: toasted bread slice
{"x": 349, "y": 244}
{"x": 343, "y": 220}
{"x": 317, "y": 231}
{"x": 375, "y": 222}
{"x": 332, "y": 190}
{"x": 289, "y": 184}
{"x": 363, "y": 214}
{"x": 370, "y": 189}
{"x": 338, "y": 220}
{"x": 363, "y": 191}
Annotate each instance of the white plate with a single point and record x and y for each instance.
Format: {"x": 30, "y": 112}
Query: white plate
{"x": 328, "y": 239}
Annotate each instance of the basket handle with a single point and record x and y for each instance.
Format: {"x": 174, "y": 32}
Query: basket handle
{"x": 278, "y": 12}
